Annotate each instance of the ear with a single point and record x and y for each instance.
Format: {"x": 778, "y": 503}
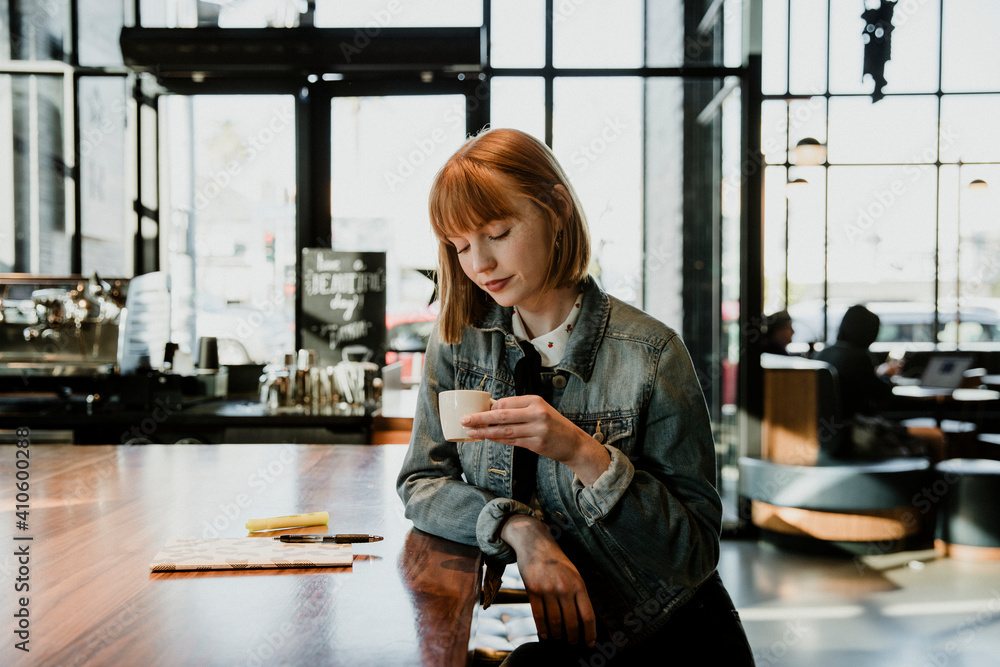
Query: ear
{"x": 562, "y": 203}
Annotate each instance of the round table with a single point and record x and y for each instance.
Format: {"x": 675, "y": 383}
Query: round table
{"x": 942, "y": 393}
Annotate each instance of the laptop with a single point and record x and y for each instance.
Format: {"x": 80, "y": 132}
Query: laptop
{"x": 945, "y": 371}
{"x": 942, "y": 375}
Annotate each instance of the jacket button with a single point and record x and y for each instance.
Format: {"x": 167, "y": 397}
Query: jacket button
{"x": 559, "y": 381}
{"x": 599, "y": 437}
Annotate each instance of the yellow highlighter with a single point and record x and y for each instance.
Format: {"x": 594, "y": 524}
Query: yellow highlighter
{"x": 293, "y": 521}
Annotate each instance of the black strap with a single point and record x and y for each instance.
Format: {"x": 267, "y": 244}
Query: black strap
{"x": 527, "y": 381}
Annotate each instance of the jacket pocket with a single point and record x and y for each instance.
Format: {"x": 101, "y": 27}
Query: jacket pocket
{"x": 614, "y": 429}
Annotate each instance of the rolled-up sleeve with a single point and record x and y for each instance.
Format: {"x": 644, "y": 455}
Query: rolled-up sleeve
{"x": 490, "y": 523}
{"x": 596, "y": 500}
{"x": 430, "y": 483}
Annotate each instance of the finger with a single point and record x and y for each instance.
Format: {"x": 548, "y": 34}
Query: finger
{"x": 554, "y": 618}
{"x": 570, "y": 619}
{"x": 475, "y": 419}
{"x": 499, "y": 418}
{"x": 513, "y": 402}
{"x": 587, "y": 618}
{"x": 508, "y": 434}
{"x": 538, "y": 613}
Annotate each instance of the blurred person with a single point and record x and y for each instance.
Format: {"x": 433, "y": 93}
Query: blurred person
{"x": 778, "y": 332}
{"x": 865, "y": 392}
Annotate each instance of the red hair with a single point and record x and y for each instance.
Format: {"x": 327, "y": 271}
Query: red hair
{"x": 479, "y": 184}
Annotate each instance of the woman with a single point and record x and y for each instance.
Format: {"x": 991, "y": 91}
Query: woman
{"x": 595, "y": 469}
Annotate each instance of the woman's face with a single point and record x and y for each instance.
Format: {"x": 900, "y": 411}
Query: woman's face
{"x": 508, "y": 258}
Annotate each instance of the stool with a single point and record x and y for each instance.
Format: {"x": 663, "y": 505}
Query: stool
{"x": 851, "y": 506}
{"x": 968, "y": 526}
{"x": 506, "y": 624}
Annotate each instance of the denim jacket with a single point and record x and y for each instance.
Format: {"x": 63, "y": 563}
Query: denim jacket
{"x": 645, "y": 534}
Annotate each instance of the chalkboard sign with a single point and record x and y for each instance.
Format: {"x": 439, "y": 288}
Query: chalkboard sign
{"x": 343, "y": 304}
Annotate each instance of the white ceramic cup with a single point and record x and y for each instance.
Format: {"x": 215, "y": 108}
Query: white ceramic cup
{"x": 455, "y": 404}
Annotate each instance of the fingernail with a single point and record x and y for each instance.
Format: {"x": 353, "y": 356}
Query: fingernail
{"x": 464, "y": 421}
{"x": 472, "y": 432}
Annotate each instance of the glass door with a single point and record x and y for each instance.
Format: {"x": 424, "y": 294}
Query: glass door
{"x": 228, "y": 186}
{"x": 385, "y": 152}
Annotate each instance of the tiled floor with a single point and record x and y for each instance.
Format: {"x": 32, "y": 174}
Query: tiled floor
{"x": 894, "y": 610}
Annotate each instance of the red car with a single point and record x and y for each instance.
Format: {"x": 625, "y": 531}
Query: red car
{"x": 406, "y": 340}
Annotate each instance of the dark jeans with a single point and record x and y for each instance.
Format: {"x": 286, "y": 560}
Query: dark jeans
{"x": 706, "y": 630}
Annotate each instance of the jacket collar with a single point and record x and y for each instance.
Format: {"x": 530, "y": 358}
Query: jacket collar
{"x": 581, "y": 350}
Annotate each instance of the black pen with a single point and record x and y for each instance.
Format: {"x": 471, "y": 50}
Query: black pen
{"x": 343, "y": 538}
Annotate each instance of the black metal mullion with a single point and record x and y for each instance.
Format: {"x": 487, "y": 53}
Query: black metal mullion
{"x": 826, "y": 182}
{"x": 154, "y": 103}
{"x": 138, "y": 265}
{"x": 76, "y": 239}
{"x": 750, "y": 396}
{"x": 548, "y": 71}
{"x": 937, "y": 199}
{"x": 76, "y": 175}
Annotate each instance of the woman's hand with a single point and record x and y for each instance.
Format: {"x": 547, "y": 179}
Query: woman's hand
{"x": 559, "y": 600}
{"x": 530, "y": 422}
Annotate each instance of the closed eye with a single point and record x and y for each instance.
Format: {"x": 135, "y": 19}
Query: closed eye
{"x": 498, "y": 237}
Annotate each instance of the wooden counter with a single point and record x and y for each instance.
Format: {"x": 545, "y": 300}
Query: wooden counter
{"x": 99, "y": 514}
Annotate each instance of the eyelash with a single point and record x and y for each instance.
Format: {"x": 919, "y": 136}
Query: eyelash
{"x": 498, "y": 237}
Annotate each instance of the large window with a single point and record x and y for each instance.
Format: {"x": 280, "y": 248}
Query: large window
{"x": 229, "y": 222}
{"x": 889, "y": 202}
{"x": 219, "y": 173}
{"x": 65, "y": 177}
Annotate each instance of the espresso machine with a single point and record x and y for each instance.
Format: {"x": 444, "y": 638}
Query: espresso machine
{"x": 59, "y": 346}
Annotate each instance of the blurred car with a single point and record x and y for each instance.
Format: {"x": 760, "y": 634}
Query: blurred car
{"x": 406, "y": 340}
{"x": 909, "y": 323}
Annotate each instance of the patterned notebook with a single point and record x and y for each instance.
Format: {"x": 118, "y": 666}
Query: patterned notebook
{"x": 246, "y": 553}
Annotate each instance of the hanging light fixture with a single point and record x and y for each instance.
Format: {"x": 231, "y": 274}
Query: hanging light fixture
{"x": 796, "y": 187}
{"x": 808, "y": 152}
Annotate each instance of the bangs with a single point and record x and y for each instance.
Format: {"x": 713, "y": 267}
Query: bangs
{"x": 467, "y": 196}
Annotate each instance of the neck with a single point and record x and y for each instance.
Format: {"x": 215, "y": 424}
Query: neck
{"x": 548, "y": 311}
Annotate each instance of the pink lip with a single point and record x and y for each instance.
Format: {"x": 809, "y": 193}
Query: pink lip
{"x": 496, "y": 285}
